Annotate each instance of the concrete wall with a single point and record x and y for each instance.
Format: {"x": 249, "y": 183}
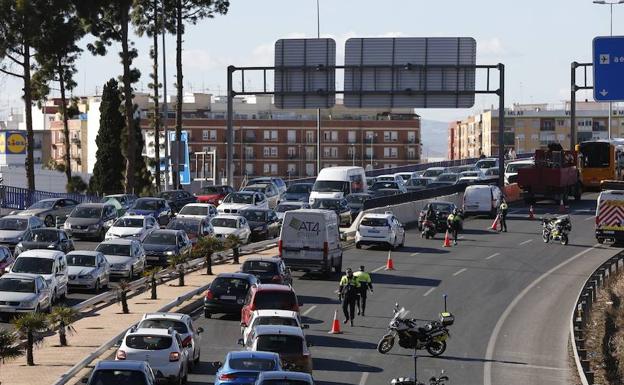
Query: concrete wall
{"x": 45, "y": 180}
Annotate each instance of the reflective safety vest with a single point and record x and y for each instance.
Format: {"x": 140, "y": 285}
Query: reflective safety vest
{"x": 363, "y": 276}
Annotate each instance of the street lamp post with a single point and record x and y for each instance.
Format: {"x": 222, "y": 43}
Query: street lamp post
{"x": 610, "y": 3}
{"x": 372, "y": 138}
{"x": 353, "y": 154}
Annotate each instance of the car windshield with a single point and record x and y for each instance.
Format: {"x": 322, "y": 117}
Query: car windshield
{"x": 113, "y": 249}
{"x": 331, "y": 186}
{"x": 254, "y": 215}
{"x": 224, "y": 222}
{"x": 188, "y": 225}
{"x": 280, "y": 343}
{"x": 326, "y": 204}
{"x": 164, "y": 323}
{"x": 13, "y": 224}
{"x": 17, "y": 285}
{"x": 406, "y": 177}
{"x": 491, "y": 171}
{"x": 280, "y": 300}
{"x": 255, "y": 364}
{"x": 161, "y": 238}
{"x": 284, "y": 381}
{"x": 194, "y": 210}
{"x": 272, "y": 320}
{"x": 374, "y": 222}
{"x": 486, "y": 163}
{"x": 44, "y": 204}
{"x": 417, "y": 182}
{"x": 232, "y": 285}
{"x": 213, "y": 190}
{"x": 42, "y": 235}
{"x": 147, "y": 342}
{"x": 259, "y": 267}
{"x": 260, "y": 189}
{"x": 514, "y": 167}
{"x": 384, "y": 185}
{"x": 444, "y": 207}
{"x": 128, "y": 222}
{"x": 299, "y": 189}
{"x": 33, "y": 265}
{"x": 447, "y": 178}
{"x": 147, "y": 204}
{"x": 81, "y": 260}
{"x": 118, "y": 377}
{"x": 282, "y": 208}
{"x": 239, "y": 198}
{"x": 432, "y": 173}
{"x": 86, "y": 212}
{"x": 357, "y": 199}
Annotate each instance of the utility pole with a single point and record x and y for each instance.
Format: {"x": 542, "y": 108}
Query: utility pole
{"x": 318, "y": 110}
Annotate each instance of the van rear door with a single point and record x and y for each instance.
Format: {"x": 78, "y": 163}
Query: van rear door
{"x": 610, "y": 216}
{"x": 303, "y": 235}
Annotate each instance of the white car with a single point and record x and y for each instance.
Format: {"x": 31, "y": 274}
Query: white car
{"x": 88, "y": 270}
{"x": 132, "y": 226}
{"x": 163, "y": 349}
{"x": 380, "y": 229}
{"x": 50, "y": 264}
{"x": 511, "y": 170}
{"x": 225, "y": 225}
{"x": 181, "y": 323}
{"x": 272, "y": 317}
{"x": 197, "y": 210}
{"x": 482, "y": 200}
{"x": 391, "y": 178}
{"x": 24, "y": 293}
{"x": 433, "y": 172}
{"x": 125, "y": 256}
{"x": 470, "y": 176}
{"x": 237, "y": 201}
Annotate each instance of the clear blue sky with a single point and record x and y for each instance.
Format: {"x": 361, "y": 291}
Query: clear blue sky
{"x": 536, "y": 39}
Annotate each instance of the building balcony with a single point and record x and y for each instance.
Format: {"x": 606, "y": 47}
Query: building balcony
{"x": 250, "y": 156}
{"x": 250, "y": 139}
{"x": 292, "y": 156}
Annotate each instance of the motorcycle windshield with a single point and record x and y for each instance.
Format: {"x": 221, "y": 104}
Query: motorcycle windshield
{"x": 401, "y": 314}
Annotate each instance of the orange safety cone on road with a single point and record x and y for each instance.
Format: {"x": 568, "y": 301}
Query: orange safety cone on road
{"x": 389, "y": 263}
{"x": 447, "y": 240}
{"x": 335, "y": 329}
{"x": 562, "y": 208}
{"x": 531, "y": 212}
{"x": 494, "y": 224}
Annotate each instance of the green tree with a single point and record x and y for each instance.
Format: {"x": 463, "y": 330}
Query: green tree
{"x": 122, "y": 295}
{"x": 61, "y": 318}
{"x": 10, "y": 346}
{"x": 76, "y": 185}
{"x": 109, "y": 161}
{"x": 205, "y": 248}
{"x": 31, "y": 325}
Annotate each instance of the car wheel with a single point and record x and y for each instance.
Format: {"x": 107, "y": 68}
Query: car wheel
{"x": 97, "y": 286}
{"x": 358, "y": 246}
{"x": 207, "y": 314}
{"x": 49, "y": 221}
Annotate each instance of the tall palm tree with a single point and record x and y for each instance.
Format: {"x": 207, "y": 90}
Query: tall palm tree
{"x": 61, "y": 318}
{"x": 31, "y": 325}
{"x": 9, "y": 346}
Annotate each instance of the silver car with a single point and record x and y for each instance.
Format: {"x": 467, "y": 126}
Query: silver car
{"x": 88, "y": 270}
{"x": 23, "y": 293}
{"x": 125, "y": 256}
{"x": 48, "y": 209}
{"x": 14, "y": 227}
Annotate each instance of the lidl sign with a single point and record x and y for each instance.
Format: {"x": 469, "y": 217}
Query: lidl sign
{"x": 12, "y": 143}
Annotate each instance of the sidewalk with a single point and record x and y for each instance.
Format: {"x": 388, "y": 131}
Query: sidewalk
{"x": 99, "y": 327}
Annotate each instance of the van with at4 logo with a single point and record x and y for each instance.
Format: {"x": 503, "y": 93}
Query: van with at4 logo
{"x": 310, "y": 241}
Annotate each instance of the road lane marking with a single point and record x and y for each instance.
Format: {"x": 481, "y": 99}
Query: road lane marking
{"x": 589, "y": 218}
{"x": 379, "y": 268}
{"x": 525, "y": 242}
{"x": 489, "y": 353}
{"x": 309, "y": 310}
{"x": 414, "y": 254}
{"x": 429, "y": 291}
{"x": 458, "y": 272}
{"x": 493, "y": 255}
{"x": 363, "y": 378}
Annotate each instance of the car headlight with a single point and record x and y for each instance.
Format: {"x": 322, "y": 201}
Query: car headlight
{"x": 94, "y": 227}
{"x": 121, "y": 266}
{"x": 86, "y": 276}
{"x": 67, "y": 226}
{"x": 29, "y": 304}
{"x": 169, "y": 253}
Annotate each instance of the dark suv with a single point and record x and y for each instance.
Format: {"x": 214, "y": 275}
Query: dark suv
{"x": 268, "y": 270}
{"x": 227, "y": 293}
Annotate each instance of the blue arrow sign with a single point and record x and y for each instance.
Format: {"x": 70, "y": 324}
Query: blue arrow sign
{"x": 185, "y": 174}
{"x": 608, "y": 57}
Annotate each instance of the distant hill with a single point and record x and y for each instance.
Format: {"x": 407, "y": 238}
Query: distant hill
{"x": 434, "y": 136}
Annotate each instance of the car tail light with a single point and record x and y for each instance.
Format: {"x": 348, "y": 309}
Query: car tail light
{"x": 276, "y": 278}
{"x": 325, "y": 249}
{"x": 227, "y": 377}
{"x": 174, "y": 356}
{"x": 597, "y": 223}
{"x": 208, "y": 294}
{"x": 121, "y": 355}
{"x": 279, "y": 247}
{"x": 252, "y": 307}
{"x": 187, "y": 341}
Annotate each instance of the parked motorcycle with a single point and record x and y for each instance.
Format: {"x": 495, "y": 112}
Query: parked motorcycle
{"x": 428, "y": 229}
{"x": 556, "y": 229}
{"x": 431, "y": 336}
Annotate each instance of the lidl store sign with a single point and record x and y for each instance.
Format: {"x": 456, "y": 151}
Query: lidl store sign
{"x": 12, "y": 143}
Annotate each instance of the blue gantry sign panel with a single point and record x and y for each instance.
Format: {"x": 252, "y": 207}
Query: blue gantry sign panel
{"x": 608, "y": 63}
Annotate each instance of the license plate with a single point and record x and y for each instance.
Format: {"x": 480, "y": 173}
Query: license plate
{"x": 152, "y": 258}
{"x": 373, "y": 231}
{"x": 228, "y": 297}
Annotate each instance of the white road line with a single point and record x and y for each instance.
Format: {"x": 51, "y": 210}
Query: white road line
{"x": 493, "y": 255}
{"x": 309, "y": 310}
{"x": 489, "y": 353}
{"x": 414, "y": 254}
{"x": 525, "y": 242}
{"x": 379, "y": 268}
{"x": 429, "y": 291}
{"x": 458, "y": 272}
{"x": 589, "y": 218}
{"x": 364, "y": 378}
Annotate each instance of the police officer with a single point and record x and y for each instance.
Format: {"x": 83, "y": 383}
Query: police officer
{"x": 366, "y": 283}
{"x": 502, "y": 215}
{"x": 452, "y": 222}
{"x": 349, "y": 290}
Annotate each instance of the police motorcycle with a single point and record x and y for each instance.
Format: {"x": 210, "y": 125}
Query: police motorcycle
{"x": 413, "y": 381}
{"x": 556, "y": 229}
{"x": 428, "y": 228}
{"x": 431, "y": 336}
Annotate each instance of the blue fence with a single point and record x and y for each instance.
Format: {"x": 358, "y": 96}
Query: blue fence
{"x": 18, "y": 198}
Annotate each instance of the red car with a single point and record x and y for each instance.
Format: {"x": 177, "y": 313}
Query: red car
{"x": 269, "y": 296}
{"x": 213, "y": 194}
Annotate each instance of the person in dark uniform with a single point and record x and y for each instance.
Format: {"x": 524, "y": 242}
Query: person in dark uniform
{"x": 502, "y": 215}
{"x": 349, "y": 290}
{"x": 366, "y": 284}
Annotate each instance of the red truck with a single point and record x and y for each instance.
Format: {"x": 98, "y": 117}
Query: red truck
{"x": 554, "y": 176}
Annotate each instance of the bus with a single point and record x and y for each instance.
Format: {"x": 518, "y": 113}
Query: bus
{"x": 597, "y": 161}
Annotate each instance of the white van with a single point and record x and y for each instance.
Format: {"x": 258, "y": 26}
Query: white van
{"x": 310, "y": 241}
{"x": 50, "y": 264}
{"x": 610, "y": 216}
{"x": 482, "y": 199}
{"x": 338, "y": 182}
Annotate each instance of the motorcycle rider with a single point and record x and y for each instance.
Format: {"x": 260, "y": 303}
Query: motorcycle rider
{"x": 502, "y": 215}
{"x": 366, "y": 283}
{"x": 452, "y": 223}
{"x": 349, "y": 289}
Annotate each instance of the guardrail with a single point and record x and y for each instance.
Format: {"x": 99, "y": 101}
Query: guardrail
{"x": 582, "y": 309}
{"x": 18, "y": 198}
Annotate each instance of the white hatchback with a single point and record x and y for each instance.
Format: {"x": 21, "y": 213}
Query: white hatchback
{"x": 225, "y": 225}
{"x": 132, "y": 226}
{"x": 197, "y": 210}
{"x": 380, "y": 229}
{"x": 272, "y": 317}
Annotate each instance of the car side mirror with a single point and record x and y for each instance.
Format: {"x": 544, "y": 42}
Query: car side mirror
{"x": 241, "y": 342}
{"x": 305, "y": 326}
{"x": 217, "y": 364}
{"x": 200, "y": 330}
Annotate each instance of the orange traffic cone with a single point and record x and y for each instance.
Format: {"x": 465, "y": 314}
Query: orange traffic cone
{"x": 389, "y": 263}
{"x": 493, "y": 227}
{"x": 531, "y": 212}
{"x": 335, "y": 329}
{"x": 562, "y": 208}
{"x": 447, "y": 240}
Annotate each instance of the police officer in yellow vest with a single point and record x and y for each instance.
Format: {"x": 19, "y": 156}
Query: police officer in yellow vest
{"x": 502, "y": 215}
{"x": 366, "y": 283}
{"x": 349, "y": 290}
{"x": 452, "y": 223}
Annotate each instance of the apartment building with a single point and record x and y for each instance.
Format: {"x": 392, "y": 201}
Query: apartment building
{"x": 78, "y": 144}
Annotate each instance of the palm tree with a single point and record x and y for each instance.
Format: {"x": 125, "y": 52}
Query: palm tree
{"x": 234, "y": 242}
{"x": 31, "y": 324}
{"x": 61, "y": 318}
{"x": 205, "y": 248}
{"x": 122, "y": 295}
{"x": 178, "y": 263}
{"x": 9, "y": 345}
{"x": 150, "y": 274}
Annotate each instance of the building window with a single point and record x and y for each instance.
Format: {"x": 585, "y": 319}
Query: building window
{"x": 209, "y": 135}
{"x": 310, "y": 155}
{"x": 390, "y": 152}
{"x": 292, "y": 152}
{"x": 292, "y": 169}
{"x": 310, "y": 169}
{"x": 548, "y": 125}
{"x": 249, "y": 152}
{"x": 270, "y": 168}
{"x": 249, "y": 169}
{"x": 369, "y": 151}
{"x": 310, "y": 137}
{"x": 330, "y": 152}
{"x": 292, "y": 136}
{"x": 411, "y": 137}
{"x": 352, "y": 137}
{"x": 351, "y": 151}
{"x": 270, "y": 135}
{"x": 330, "y": 136}
{"x": 390, "y": 136}
{"x": 370, "y": 135}
{"x": 411, "y": 153}
{"x": 250, "y": 136}
{"x": 270, "y": 152}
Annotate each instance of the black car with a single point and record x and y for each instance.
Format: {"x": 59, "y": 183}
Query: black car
{"x": 263, "y": 223}
{"x": 417, "y": 184}
{"x": 297, "y": 192}
{"x": 45, "y": 238}
{"x": 161, "y": 245}
{"x": 385, "y": 192}
{"x": 195, "y": 228}
{"x": 268, "y": 270}
{"x": 339, "y": 206}
{"x": 442, "y": 210}
{"x": 227, "y": 293}
{"x": 177, "y": 198}
{"x": 356, "y": 201}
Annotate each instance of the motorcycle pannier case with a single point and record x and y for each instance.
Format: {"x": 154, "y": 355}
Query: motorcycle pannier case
{"x": 447, "y": 319}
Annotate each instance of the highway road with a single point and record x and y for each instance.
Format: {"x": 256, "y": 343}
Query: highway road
{"x": 511, "y": 295}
